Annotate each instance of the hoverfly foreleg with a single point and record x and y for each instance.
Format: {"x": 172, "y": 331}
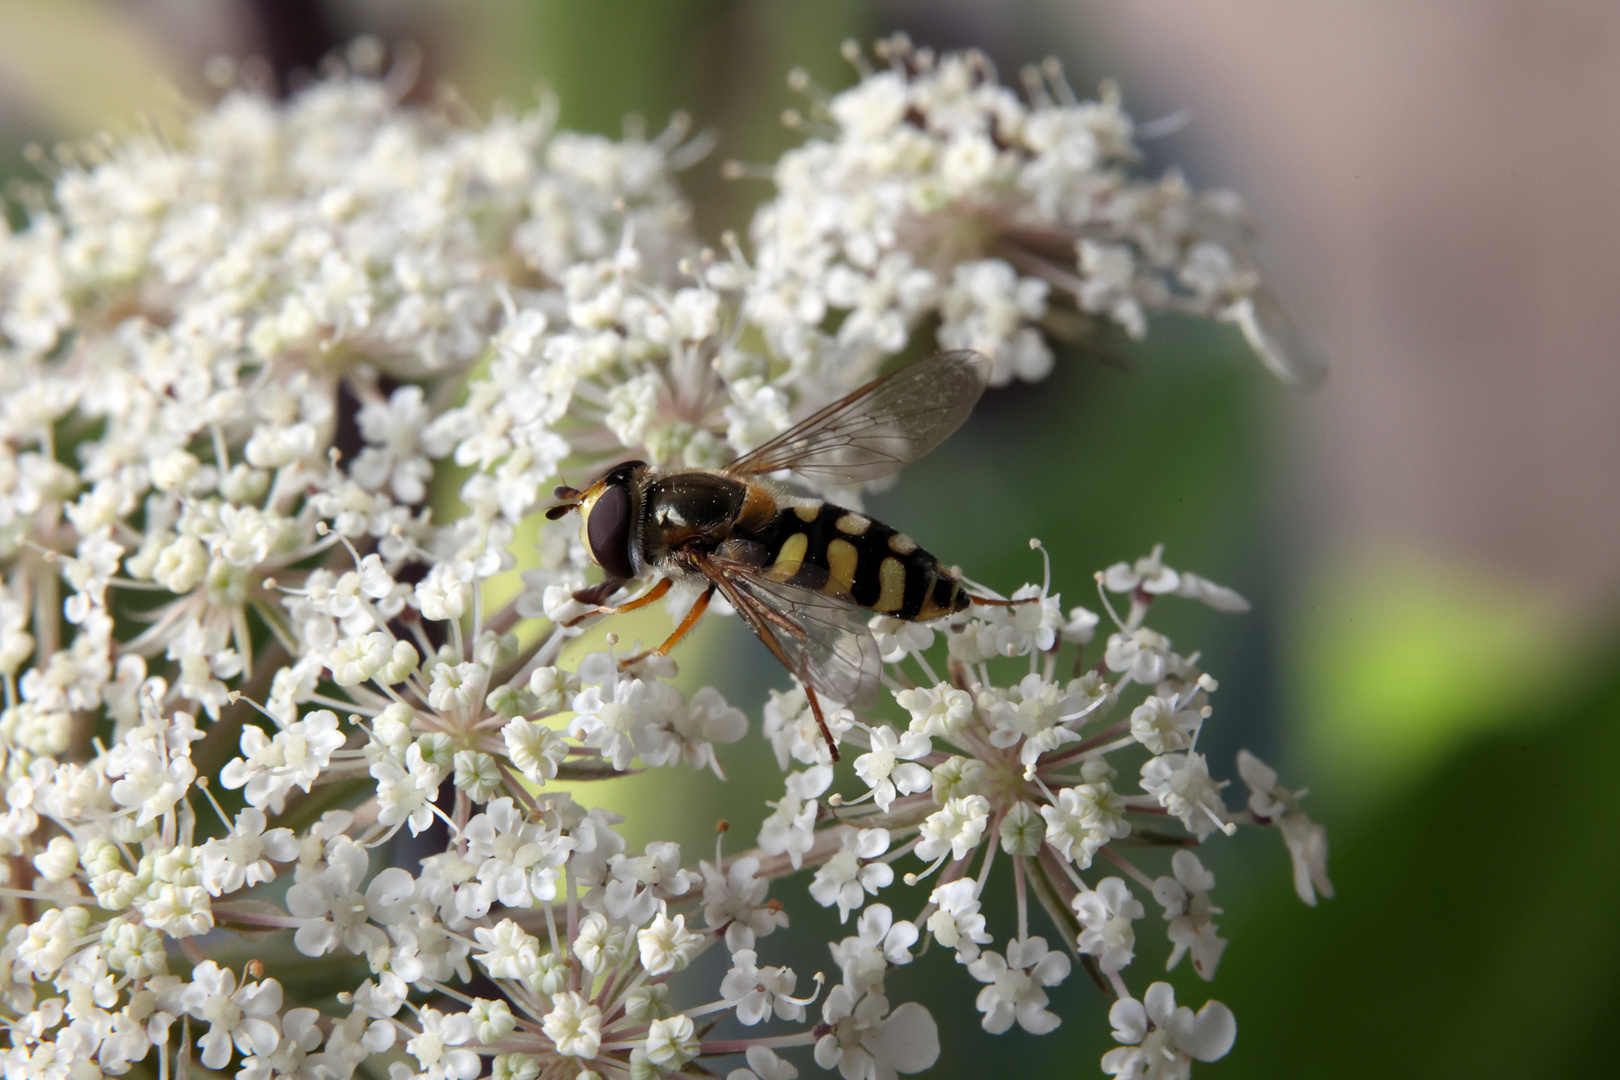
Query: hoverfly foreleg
{"x": 687, "y": 623}
{"x": 643, "y": 600}
{"x": 596, "y": 595}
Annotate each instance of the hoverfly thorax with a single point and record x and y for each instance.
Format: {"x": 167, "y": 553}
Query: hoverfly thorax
{"x": 697, "y": 511}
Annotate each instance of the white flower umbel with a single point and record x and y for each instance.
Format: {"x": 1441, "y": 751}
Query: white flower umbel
{"x": 1034, "y": 763}
{"x": 254, "y": 685}
{"x": 930, "y": 190}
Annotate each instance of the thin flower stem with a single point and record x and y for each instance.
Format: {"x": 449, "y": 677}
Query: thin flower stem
{"x": 1078, "y": 752}
{"x": 1126, "y": 865}
{"x": 1022, "y": 897}
{"x": 903, "y": 849}
{"x": 64, "y": 899}
{"x": 1107, "y": 748}
{"x": 778, "y": 1042}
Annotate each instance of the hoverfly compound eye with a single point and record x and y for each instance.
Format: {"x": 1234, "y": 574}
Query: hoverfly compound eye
{"x": 607, "y": 530}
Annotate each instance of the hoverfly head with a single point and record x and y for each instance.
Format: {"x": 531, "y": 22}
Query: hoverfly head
{"x": 608, "y": 509}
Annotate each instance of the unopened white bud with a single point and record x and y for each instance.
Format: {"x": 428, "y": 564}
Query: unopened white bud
{"x": 1022, "y": 830}
{"x": 477, "y": 774}
{"x": 514, "y": 1067}
{"x": 401, "y": 663}
{"x": 58, "y": 861}
{"x": 174, "y": 470}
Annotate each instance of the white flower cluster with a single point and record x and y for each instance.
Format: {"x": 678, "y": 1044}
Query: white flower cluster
{"x": 243, "y": 661}
{"x": 932, "y": 191}
{"x": 1029, "y": 770}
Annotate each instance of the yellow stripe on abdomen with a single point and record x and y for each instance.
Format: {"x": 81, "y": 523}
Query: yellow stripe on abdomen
{"x": 841, "y": 560}
{"x": 944, "y": 597}
{"x": 892, "y": 580}
{"x": 789, "y": 557}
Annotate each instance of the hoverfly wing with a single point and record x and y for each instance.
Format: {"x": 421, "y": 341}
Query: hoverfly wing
{"x": 872, "y": 431}
{"x": 822, "y": 638}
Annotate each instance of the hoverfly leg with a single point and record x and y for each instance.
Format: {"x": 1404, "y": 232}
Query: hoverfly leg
{"x": 821, "y": 722}
{"x": 687, "y": 623}
{"x": 596, "y": 595}
{"x": 643, "y": 600}
{"x": 995, "y": 601}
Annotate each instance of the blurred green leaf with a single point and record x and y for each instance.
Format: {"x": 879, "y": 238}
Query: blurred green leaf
{"x": 1474, "y": 934}
{"x": 1399, "y": 660}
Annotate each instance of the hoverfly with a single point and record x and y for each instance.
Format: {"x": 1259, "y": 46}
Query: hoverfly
{"x": 799, "y": 571}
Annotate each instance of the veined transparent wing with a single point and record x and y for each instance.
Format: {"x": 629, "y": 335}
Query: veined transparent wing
{"x": 822, "y": 638}
{"x": 874, "y": 430}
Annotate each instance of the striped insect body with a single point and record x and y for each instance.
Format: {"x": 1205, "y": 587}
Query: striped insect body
{"x": 878, "y": 567}
{"x": 802, "y": 573}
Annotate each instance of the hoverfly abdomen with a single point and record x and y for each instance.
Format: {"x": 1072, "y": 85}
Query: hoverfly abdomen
{"x": 852, "y": 554}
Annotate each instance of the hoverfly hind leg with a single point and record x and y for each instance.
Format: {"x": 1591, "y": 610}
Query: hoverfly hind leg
{"x": 821, "y": 722}
{"x": 996, "y": 601}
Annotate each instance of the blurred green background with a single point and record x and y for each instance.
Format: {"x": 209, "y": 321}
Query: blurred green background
{"x": 1428, "y": 650}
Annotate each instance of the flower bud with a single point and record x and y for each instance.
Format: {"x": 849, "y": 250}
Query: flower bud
{"x": 58, "y": 861}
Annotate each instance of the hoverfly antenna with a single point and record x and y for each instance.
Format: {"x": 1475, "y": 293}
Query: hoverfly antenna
{"x": 571, "y": 498}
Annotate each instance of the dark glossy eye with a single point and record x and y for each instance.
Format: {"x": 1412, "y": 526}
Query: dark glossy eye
{"x": 607, "y": 530}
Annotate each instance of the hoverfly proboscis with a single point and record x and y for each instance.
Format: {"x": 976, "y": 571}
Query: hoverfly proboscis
{"x": 799, "y": 571}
